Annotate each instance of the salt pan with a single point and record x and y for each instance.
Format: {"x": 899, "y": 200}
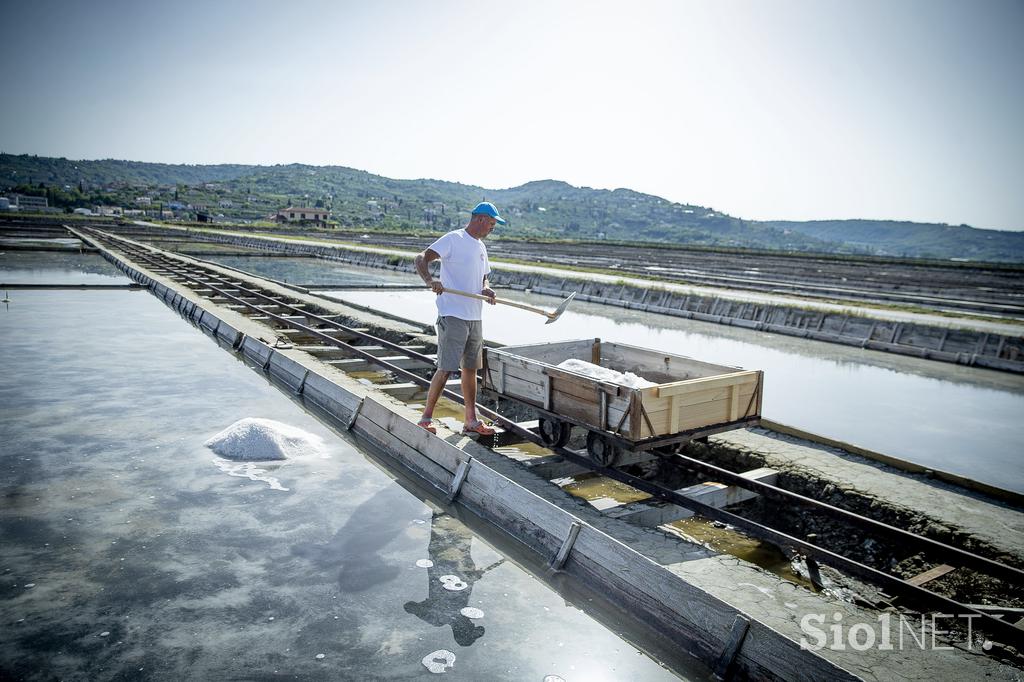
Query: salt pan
{"x": 589, "y": 369}
{"x": 253, "y": 439}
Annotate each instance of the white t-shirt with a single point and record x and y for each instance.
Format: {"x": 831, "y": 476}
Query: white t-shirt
{"x": 463, "y": 266}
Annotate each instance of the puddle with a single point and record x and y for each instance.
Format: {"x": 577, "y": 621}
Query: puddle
{"x": 373, "y": 376}
{"x": 730, "y": 541}
{"x": 597, "y": 489}
{"x": 523, "y": 450}
{"x": 444, "y": 408}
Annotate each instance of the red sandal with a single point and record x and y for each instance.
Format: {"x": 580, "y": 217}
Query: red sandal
{"x": 478, "y": 428}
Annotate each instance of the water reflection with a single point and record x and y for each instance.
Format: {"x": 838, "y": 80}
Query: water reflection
{"x": 356, "y": 549}
{"x": 450, "y": 580}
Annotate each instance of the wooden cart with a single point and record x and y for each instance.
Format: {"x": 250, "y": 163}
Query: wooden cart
{"x": 692, "y": 399}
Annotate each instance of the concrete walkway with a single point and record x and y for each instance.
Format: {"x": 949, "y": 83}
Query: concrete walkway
{"x": 998, "y": 526}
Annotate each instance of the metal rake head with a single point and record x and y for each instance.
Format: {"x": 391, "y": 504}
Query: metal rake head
{"x": 560, "y": 309}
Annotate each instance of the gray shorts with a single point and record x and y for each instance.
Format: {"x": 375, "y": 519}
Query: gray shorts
{"x": 459, "y": 343}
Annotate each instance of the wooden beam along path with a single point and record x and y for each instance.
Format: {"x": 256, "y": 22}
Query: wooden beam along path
{"x": 296, "y": 335}
{"x": 376, "y": 351}
{"x": 361, "y": 365}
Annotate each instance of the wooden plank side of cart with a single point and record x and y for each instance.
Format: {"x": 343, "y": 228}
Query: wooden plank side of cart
{"x": 627, "y": 358}
{"x": 557, "y": 391}
{"x": 694, "y": 403}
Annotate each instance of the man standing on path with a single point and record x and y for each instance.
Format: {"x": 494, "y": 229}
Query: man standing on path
{"x": 460, "y": 339}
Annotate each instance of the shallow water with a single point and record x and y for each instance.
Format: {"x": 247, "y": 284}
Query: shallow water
{"x": 598, "y": 489}
{"x": 728, "y": 540}
{"x": 955, "y": 418}
{"x": 51, "y": 267}
{"x": 130, "y": 551}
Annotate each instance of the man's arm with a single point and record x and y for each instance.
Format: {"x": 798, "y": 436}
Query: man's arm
{"x": 487, "y": 291}
{"x": 422, "y": 260}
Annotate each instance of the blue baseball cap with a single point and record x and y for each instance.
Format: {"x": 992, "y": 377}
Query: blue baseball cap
{"x": 487, "y": 208}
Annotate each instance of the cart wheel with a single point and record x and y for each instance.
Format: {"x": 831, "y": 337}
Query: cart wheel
{"x": 601, "y": 450}
{"x": 554, "y": 433}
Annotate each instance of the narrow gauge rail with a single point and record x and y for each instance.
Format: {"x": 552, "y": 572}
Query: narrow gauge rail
{"x": 263, "y": 302}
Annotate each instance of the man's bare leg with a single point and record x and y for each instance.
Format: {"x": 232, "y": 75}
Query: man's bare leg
{"x": 473, "y": 424}
{"x": 433, "y": 393}
{"x": 469, "y": 394}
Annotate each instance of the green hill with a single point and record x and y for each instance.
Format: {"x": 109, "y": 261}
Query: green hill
{"x": 917, "y": 240}
{"x": 543, "y": 208}
{"x": 26, "y": 169}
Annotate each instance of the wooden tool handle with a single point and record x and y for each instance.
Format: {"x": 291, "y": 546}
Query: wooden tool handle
{"x": 502, "y": 301}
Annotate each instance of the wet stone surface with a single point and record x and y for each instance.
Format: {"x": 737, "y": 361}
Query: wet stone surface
{"x": 131, "y": 552}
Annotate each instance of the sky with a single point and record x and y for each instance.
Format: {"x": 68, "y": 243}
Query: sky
{"x": 782, "y": 109}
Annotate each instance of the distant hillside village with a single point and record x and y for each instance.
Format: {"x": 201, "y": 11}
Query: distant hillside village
{"x": 344, "y": 198}
{"x": 211, "y": 202}
{"x": 146, "y": 206}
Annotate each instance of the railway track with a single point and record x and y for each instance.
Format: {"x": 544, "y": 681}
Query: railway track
{"x": 314, "y": 331}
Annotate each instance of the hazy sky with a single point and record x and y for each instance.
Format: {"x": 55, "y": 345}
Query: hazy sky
{"x": 790, "y": 110}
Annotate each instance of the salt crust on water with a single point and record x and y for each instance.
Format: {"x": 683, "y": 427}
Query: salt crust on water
{"x": 627, "y": 379}
{"x": 253, "y": 439}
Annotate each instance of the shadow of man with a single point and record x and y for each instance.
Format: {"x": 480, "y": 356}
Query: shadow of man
{"x": 450, "y": 580}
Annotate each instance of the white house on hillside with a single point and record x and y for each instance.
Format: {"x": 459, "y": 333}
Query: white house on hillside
{"x": 294, "y": 214}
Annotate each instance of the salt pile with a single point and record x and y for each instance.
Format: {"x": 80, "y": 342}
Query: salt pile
{"x": 627, "y": 379}
{"x": 253, "y": 439}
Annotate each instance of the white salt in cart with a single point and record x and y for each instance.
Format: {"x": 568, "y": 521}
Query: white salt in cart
{"x": 691, "y": 399}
